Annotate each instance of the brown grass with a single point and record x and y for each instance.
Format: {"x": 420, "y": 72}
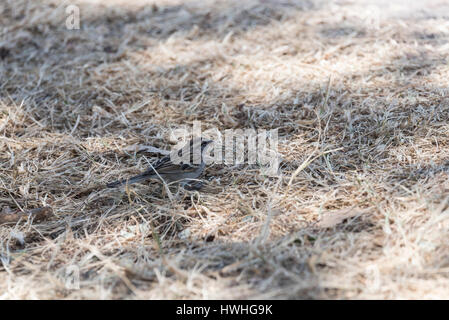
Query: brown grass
{"x": 366, "y": 79}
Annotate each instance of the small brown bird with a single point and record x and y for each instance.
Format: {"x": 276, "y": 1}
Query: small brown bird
{"x": 168, "y": 171}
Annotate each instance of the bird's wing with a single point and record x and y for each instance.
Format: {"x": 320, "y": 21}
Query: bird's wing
{"x": 165, "y": 166}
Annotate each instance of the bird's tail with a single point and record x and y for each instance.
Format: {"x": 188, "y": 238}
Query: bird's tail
{"x": 140, "y": 177}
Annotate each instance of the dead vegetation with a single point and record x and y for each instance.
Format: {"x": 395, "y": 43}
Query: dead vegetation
{"x": 357, "y": 89}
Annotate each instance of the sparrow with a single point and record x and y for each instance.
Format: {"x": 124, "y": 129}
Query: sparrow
{"x": 169, "y": 171}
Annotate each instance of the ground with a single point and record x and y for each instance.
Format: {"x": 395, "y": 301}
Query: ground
{"x": 358, "y": 91}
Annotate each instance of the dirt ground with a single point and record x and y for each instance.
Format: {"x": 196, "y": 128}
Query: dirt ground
{"x": 358, "y": 91}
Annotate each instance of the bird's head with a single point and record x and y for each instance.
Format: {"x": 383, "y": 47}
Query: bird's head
{"x": 205, "y": 143}
{"x": 193, "y": 151}
{"x": 199, "y": 144}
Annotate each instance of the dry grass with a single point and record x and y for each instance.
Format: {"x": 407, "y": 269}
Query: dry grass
{"x": 369, "y": 78}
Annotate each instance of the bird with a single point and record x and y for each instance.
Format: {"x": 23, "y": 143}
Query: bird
{"x": 169, "y": 171}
